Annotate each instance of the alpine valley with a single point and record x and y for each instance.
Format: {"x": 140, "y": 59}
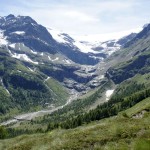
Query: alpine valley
{"x": 59, "y": 92}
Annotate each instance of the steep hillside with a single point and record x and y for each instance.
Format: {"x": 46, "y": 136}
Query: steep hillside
{"x": 74, "y": 77}
{"x": 36, "y": 38}
{"x": 23, "y": 89}
{"x": 125, "y": 132}
{"x": 130, "y": 77}
{"x": 137, "y": 65}
{"x": 45, "y": 72}
{"x": 42, "y": 69}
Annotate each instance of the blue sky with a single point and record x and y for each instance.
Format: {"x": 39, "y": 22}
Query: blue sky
{"x": 82, "y": 16}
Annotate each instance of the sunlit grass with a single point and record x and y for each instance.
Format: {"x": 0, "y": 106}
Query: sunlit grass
{"x": 114, "y": 133}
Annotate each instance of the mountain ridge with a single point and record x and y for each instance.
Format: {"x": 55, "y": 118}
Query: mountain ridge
{"x": 53, "y": 89}
{"x": 37, "y": 67}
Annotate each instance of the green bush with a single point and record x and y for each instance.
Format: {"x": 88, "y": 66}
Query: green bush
{"x": 3, "y": 132}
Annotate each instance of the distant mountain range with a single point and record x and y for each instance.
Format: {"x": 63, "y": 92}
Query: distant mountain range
{"x": 24, "y": 31}
{"x": 42, "y": 66}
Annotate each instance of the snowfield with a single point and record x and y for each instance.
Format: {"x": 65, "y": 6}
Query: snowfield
{"x": 108, "y": 94}
{"x": 19, "y": 32}
{"x": 57, "y": 35}
{"x": 33, "y": 52}
{"x": 83, "y": 46}
{"x": 23, "y": 57}
{"x": 12, "y": 45}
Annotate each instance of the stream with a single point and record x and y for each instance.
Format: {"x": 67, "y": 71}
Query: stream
{"x": 32, "y": 115}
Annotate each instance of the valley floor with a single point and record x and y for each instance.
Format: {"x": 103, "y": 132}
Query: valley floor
{"x": 119, "y": 132}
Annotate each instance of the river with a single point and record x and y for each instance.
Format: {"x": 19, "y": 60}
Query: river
{"x": 32, "y": 115}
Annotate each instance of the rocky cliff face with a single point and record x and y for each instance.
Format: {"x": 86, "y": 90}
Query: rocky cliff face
{"x": 134, "y": 58}
{"x": 38, "y": 64}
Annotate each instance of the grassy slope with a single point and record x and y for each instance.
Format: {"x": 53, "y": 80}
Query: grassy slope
{"x": 145, "y": 104}
{"x": 85, "y": 102}
{"x": 55, "y": 93}
{"x": 113, "y": 133}
{"x": 61, "y": 94}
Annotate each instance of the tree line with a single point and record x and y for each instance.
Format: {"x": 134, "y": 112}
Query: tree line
{"x": 110, "y": 108}
{"x": 107, "y": 109}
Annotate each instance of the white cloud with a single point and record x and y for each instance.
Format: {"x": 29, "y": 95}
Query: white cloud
{"x": 83, "y": 17}
{"x": 80, "y": 16}
{"x": 105, "y": 37}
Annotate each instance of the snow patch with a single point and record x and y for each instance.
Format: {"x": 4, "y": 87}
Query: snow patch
{"x": 111, "y": 50}
{"x": 19, "y": 32}
{"x": 9, "y": 52}
{"x": 23, "y": 57}
{"x": 53, "y": 59}
{"x": 12, "y": 45}
{"x": 42, "y": 54}
{"x": 101, "y": 77}
{"x": 104, "y": 45}
{"x": 30, "y": 69}
{"x": 84, "y": 48}
{"x": 33, "y": 52}
{"x": 57, "y": 35}
{"x": 67, "y": 61}
{"x": 42, "y": 41}
{"x": 33, "y": 24}
{"x": 47, "y": 79}
{"x": 108, "y": 94}
{"x": 49, "y": 58}
{"x": 3, "y": 42}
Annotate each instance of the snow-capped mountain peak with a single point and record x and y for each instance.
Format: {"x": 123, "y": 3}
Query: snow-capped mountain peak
{"x": 82, "y": 46}
{"x": 23, "y": 34}
{"x": 57, "y": 35}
